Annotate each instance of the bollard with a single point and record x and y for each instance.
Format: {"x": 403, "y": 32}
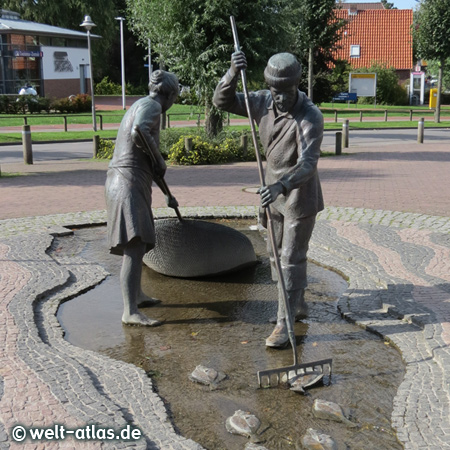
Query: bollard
{"x": 244, "y": 145}
{"x": 410, "y": 115}
{"x": 385, "y": 115}
{"x": 101, "y": 121}
{"x": 345, "y": 134}
{"x": 335, "y": 116}
{"x": 65, "y": 123}
{"x": 96, "y": 142}
{"x": 26, "y": 142}
{"x": 188, "y": 144}
{"x": 420, "y": 129}
{"x": 360, "y": 116}
{"x": 338, "y": 145}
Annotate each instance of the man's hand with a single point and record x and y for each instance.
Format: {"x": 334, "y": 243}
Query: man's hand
{"x": 171, "y": 202}
{"x": 270, "y": 193}
{"x": 238, "y": 62}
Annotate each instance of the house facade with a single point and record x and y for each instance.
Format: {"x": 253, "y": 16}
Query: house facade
{"x": 376, "y": 36}
{"x": 53, "y": 60}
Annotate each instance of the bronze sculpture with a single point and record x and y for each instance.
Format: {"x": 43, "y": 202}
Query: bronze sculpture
{"x": 128, "y": 191}
{"x": 291, "y": 132}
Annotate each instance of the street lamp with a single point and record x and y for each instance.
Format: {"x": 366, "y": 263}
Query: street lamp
{"x": 122, "y": 61}
{"x": 87, "y": 25}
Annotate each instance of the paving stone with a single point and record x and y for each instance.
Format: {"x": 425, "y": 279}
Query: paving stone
{"x": 395, "y": 290}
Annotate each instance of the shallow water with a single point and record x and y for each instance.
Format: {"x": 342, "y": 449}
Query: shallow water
{"x": 222, "y": 323}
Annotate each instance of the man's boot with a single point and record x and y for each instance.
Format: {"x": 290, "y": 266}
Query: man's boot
{"x": 280, "y": 337}
{"x": 299, "y": 308}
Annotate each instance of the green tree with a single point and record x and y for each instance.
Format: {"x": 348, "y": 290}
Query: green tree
{"x": 433, "y": 70}
{"x": 432, "y": 37}
{"x": 193, "y": 39}
{"x": 387, "y": 5}
{"x": 316, "y": 31}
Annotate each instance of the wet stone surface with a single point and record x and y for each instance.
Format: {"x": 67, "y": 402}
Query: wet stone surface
{"x": 222, "y": 323}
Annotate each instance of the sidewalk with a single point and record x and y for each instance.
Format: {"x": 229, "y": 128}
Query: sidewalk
{"x": 386, "y": 227}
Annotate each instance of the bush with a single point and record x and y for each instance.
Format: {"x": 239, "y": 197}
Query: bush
{"x": 39, "y": 104}
{"x": 81, "y": 103}
{"x": 105, "y": 148}
{"x": 21, "y": 104}
{"x": 108, "y": 87}
{"x": 222, "y": 149}
{"x": 74, "y": 104}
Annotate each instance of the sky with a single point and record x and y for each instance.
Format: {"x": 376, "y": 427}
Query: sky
{"x": 399, "y": 4}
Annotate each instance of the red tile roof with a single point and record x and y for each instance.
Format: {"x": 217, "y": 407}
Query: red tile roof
{"x": 360, "y": 6}
{"x": 384, "y": 36}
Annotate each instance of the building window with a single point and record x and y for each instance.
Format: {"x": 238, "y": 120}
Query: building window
{"x": 355, "y": 51}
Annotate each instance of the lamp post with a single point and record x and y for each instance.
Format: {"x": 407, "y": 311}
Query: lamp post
{"x": 87, "y": 25}
{"x": 122, "y": 61}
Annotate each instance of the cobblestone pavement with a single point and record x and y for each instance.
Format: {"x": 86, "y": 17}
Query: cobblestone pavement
{"x": 398, "y": 269}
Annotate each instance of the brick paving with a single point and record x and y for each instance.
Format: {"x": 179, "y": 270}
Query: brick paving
{"x": 386, "y": 228}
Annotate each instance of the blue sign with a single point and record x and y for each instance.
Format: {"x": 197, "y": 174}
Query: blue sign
{"x": 345, "y": 97}
{"x": 28, "y": 53}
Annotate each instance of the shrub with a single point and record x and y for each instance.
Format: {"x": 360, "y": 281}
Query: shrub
{"x": 39, "y": 104}
{"x": 202, "y": 152}
{"x": 105, "y": 148}
{"x": 20, "y": 104}
{"x": 168, "y": 138}
{"x": 81, "y": 103}
{"x": 74, "y": 104}
{"x": 222, "y": 149}
{"x": 62, "y": 105}
{"x": 4, "y": 104}
{"x": 108, "y": 87}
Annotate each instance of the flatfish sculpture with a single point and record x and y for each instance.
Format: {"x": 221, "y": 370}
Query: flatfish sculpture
{"x": 243, "y": 423}
{"x": 207, "y": 376}
{"x": 195, "y": 248}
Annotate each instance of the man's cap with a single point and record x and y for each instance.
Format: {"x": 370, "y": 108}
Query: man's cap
{"x": 283, "y": 70}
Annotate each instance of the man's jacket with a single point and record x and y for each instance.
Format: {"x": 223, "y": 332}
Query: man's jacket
{"x": 291, "y": 143}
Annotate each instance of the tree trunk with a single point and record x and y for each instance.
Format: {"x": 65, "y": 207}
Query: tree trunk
{"x": 213, "y": 120}
{"x": 310, "y": 73}
{"x": 437, "y": 113}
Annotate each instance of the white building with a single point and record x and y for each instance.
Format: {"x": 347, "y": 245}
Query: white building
{"x": 55, "y": 61}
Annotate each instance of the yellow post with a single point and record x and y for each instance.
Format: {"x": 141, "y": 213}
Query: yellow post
{"x": 433, "y": 98}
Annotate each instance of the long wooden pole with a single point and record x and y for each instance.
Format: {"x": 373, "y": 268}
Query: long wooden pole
{"x": 270, "y": 228}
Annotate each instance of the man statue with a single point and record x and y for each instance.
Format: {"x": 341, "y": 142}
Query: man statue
{"x": 128, "y": 191}
{"x": 291, "y": 131}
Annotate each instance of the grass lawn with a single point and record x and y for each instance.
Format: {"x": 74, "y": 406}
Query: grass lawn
{"x": 56, "y": 136}
{"x": 187, "y": 112}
